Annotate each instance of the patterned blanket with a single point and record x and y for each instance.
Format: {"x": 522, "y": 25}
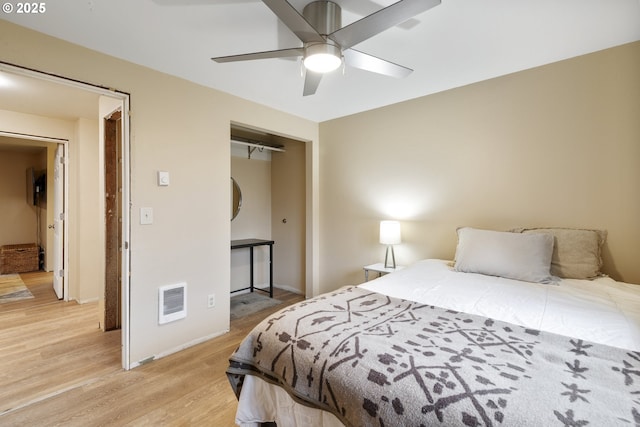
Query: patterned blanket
{"x": 372, "y": 360}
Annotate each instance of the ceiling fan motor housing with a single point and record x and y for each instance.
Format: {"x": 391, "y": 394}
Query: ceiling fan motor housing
{"x": 324, "y": 16}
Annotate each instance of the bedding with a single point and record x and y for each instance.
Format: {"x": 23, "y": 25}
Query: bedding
{"x": 499, "y": 253}
{"x": 429, "y": 345}
{"x": 577, "y": 253}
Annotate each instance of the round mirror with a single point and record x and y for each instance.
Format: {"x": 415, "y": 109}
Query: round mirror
{"x": 236, "y": 199}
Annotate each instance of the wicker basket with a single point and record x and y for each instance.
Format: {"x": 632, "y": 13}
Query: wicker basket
{"x": 18, "y": 258}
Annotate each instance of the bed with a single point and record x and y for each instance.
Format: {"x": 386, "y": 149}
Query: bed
{"x": 520, "y": 329}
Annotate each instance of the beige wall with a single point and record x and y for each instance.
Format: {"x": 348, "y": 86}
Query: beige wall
{"x": 17, "y": 217}
{"x": 288, "y": 186}
{"x": 557, "y": 145}
{"x": 182, "y": 128}
{"x": 86, "y": 214}
{"x": 254, "y": 219}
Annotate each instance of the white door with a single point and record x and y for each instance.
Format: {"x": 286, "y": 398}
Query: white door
{"x": 58, "y": 222}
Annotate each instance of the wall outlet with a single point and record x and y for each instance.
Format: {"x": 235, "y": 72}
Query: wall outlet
{"x": 211, "y": 301}
{"x": 146, "y": 216}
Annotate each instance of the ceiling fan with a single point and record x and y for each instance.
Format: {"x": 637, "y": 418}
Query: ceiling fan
{"x": 326, "y": 44}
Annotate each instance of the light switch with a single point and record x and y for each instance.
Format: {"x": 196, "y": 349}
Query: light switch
{"x": 163, "y": 178}
{"x": 146, "y": 216}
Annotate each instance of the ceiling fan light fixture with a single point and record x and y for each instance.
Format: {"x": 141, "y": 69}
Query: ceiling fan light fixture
{"x": 322, "y": 57}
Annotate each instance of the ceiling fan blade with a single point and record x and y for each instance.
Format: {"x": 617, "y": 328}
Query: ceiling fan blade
{"x": 296, "y": 22}
{"x": 364, "y": 61}
{"x": 311, "y": 82}
{"x": 282, "y": 53}
{"x": 379, "y": 21}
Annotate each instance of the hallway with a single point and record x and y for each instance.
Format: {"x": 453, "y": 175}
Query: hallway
{"x": 47, "y": 345}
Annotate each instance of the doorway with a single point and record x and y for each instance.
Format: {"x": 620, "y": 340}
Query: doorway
{"x": 81, "y": 257}
{"x": 41, "y": 220}
{"x": 271, "y": 172}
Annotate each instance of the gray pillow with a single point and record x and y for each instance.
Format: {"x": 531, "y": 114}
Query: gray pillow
{"x": 577, "y": 253}
{"x": 511, "y": 255}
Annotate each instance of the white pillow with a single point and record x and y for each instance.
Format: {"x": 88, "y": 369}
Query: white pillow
{"x": 511, "y": 255}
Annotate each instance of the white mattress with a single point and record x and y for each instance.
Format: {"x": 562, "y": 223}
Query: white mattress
{"x": 601, "y": 310}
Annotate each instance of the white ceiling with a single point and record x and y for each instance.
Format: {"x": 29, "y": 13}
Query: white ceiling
{"x": 454, "y": 44}
{"x": 44, "y": 98}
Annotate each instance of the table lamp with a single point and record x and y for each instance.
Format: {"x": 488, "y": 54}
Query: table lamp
{"x": 390, "y": 235}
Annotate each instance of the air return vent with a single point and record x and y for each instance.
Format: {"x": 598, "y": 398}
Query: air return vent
{"x": 172, "y": 303}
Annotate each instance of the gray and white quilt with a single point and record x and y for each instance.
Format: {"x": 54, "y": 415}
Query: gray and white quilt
{"x": 373, "y": 360}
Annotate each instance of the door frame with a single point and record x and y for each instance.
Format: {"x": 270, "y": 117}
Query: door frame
{"x": 125, "y": 245}
{"x": 112, "y": 135}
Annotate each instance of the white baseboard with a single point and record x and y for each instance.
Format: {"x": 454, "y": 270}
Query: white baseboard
{"x": 160, "y": 355}
{"x": 84, "y": 301}
{"x": 289, "y": 289}
{"x": 177, "y": 349}
{"x": 265, "y": 287}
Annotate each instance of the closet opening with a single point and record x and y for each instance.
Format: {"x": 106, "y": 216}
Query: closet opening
{"x": 270, "y": 172}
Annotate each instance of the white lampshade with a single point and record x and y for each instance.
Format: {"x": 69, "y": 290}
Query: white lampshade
{"x": 390, "y": 232}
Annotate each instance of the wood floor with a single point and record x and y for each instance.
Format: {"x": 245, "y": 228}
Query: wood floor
{"x": 58, "y": 369}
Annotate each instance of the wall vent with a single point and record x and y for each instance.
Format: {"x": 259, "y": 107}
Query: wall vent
{"x": 172, "y": 303}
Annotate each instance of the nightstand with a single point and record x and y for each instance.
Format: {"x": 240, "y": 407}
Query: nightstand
{"x": 380, "y": 269}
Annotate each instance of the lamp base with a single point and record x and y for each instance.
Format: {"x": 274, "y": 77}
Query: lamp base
{"x": 386, "y": 258}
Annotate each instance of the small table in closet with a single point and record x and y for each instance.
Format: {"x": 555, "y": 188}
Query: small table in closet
{"x": 252, "y": 243}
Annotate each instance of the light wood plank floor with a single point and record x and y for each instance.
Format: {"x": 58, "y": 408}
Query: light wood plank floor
{"x": 58, "y": 369}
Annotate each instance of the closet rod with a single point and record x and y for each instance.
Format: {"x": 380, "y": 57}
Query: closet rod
{"x": 257, "y": 145}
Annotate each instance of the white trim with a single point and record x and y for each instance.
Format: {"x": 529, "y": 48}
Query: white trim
{"x": 65, "y": 81}
{"x": 65, "y": 212}
{"x": 265, "y": 287}
{"x": 126, "y": 234}
{"x": 34, "y": 137}
{"x": 87, "y": 301}
{"x": 178, "y": 348}
{"x": 288, "y": 289}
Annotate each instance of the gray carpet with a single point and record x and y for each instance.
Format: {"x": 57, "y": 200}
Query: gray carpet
{"x": 12, "y": 288}
{"x": 245, "y": 304}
